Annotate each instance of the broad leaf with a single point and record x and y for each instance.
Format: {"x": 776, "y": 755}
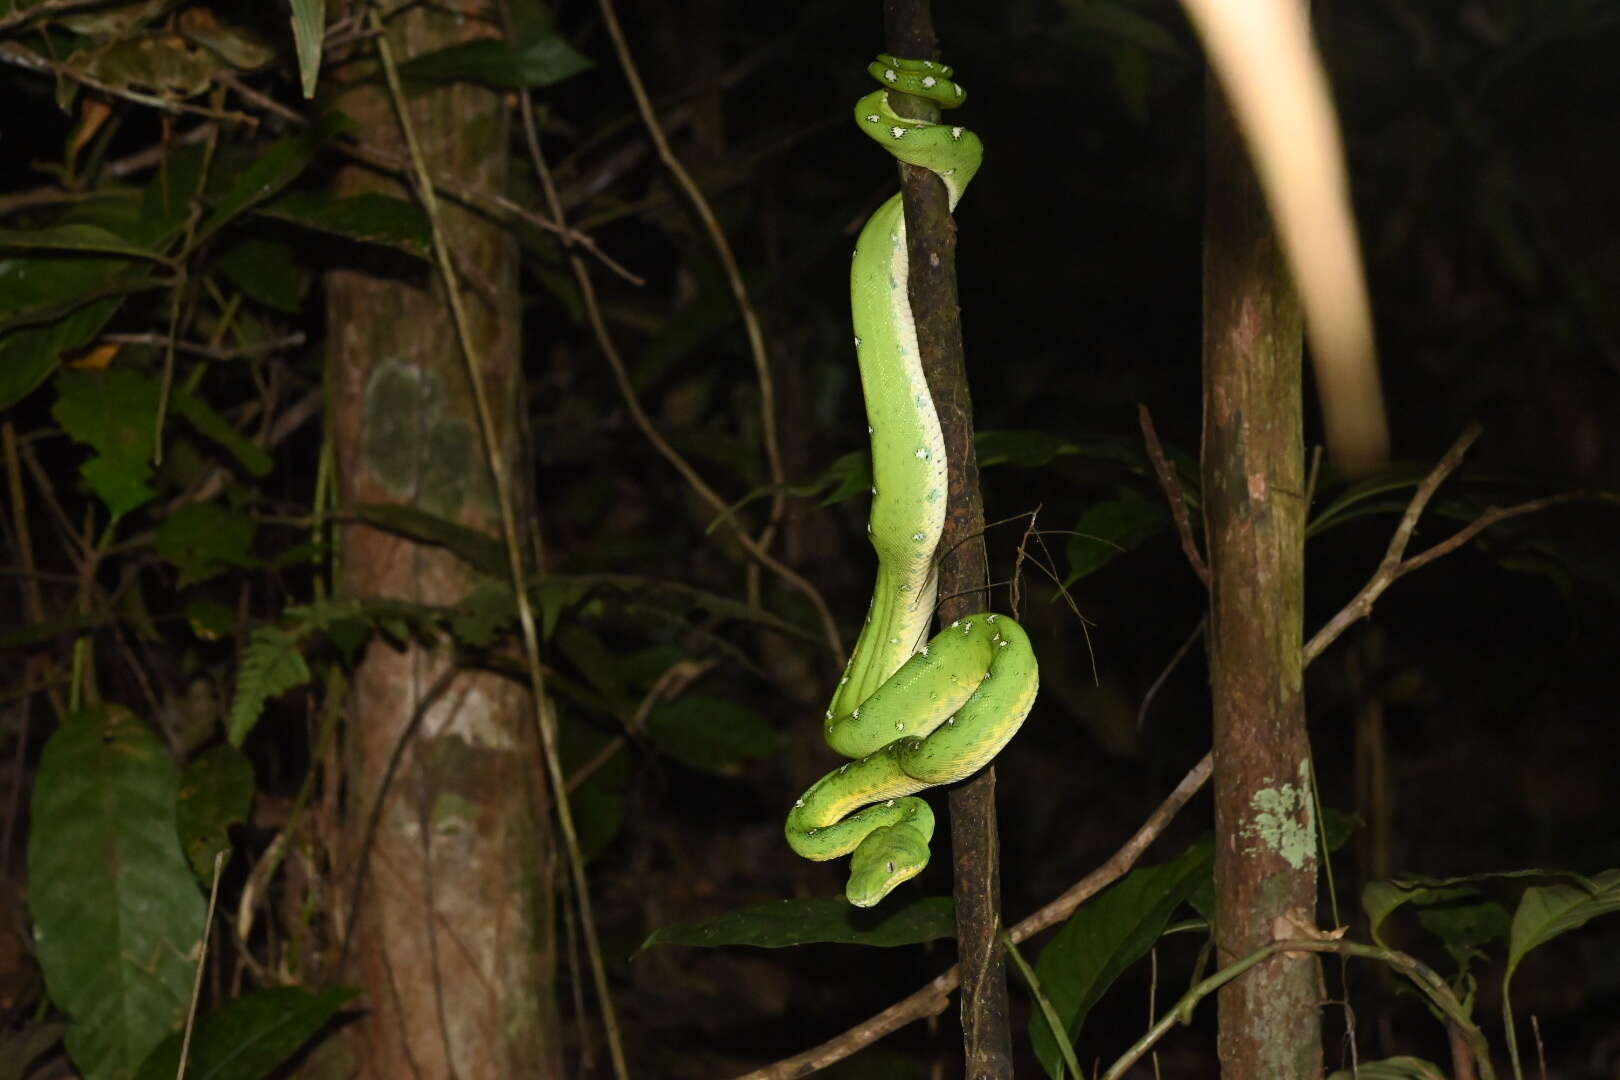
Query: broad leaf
{"x": 274, "y": 169}
{"x": 370, "y": 218}
{"x": 1109, "y": 933}
{"x": 801, "y": 922}
{"x": 204, "y": 538}
{"x": 1546, "y": 911}
{"x": 711, "y": 734}
{"x": 249, "y": 1036}
{"x": 510, "y": 65}
{"x": 216, "y": 791}
{"x": 117, "y": 914}
{"x": 1112, "y": 528}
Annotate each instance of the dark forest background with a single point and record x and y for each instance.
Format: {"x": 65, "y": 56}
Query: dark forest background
{"x": 1467, "y": 727}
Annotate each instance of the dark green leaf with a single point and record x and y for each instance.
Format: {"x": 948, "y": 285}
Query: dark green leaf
{"x": 781, "y": 923}
{"x": 203, "y": 538}
{"x": 711, "y": 734}
{"x": 1108, "y": 934}
{"x": 115, "y": 412}
{"x": 29, "y": 354}
{"x": 216, "y": 791}
{"x": 264, "y": 270}
{"x": 74, "y": 237}
{"x": 273, "y": 170}
{"x": 370, "y": 218}
{"x": 117, "y": 913}
{"x": 249, "y": 1036}
{"x": 39, "y": 289}
{"x": 850, "y": 475}
{"x": 515, "y": 65}
{"x": 1547, "y": 911}
{"x": 477, "y": 549}
{"x": 1111, "y": 528}
{"x": 210, "y": 620}
{"x": 484, "y": 613}
{"x": 202, "y": 416}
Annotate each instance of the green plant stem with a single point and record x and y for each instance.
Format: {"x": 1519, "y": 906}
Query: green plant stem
{"x": 545, "y": 722}
{"x": 1059, "y": 1034}
{"x": 1421, "y": 975}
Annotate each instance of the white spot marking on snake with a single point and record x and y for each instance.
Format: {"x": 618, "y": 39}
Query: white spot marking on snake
{"x": 925, "y": 650}
{"x": 899, "y": 725}
{"x": 798, "y": 803}
{"x": 916, "y": 538}
{"x": 889, "y": 803}
{"x": 923, "y": 454}
{"x": 857, "y": 341}
{"x": 872, "y": 118}
{"x": 897, "y": 132}
{"x": 930, "y": 82}
{"x": 991, "y": 618}
{"x": 890, "y": 75}
{"x": 956, "y": 132}
{"x": 855, "y": 714}
{"x": 1002, "y": 644}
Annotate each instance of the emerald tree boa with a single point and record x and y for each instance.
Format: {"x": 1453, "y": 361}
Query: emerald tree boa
{"x": 911, "y": 713}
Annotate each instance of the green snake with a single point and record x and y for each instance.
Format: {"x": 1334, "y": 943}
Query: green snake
{"x": 912, "y": 715}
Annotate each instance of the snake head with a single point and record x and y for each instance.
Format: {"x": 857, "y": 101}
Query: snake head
{"x": 886, "y": 858}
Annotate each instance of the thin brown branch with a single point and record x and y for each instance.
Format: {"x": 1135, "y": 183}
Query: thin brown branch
{"x": 1171, "y": 483}
{"x": 933, "y": 997}
{"x": 212, "y": 352}
{"x": 31, "y": 61}
{"x": 621, "y": 377}
{"x": 728, "y": 260}
{"x": 44, "y": 9}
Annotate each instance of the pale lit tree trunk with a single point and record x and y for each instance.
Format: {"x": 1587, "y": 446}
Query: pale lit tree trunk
{"x": 452, "y": 942}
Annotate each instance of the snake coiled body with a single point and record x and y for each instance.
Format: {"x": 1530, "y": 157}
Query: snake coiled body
{"x": 913, "y": 715}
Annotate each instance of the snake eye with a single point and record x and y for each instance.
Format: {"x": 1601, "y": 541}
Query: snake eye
{"x": 891, "y": 866}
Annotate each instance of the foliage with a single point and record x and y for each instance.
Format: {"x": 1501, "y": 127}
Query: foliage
{"x": 170, "y": 532}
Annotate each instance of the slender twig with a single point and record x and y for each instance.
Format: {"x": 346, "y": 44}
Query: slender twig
{"x": 212, "y": 352}
{"x": 202, "y": 959}
{"x": 1394, "y": 566}
{"x": 728, "y": 260}
{"x": 545, "y": 721}
{"x": 32, "y": 61}
{"x": 621, "y": 377}
{"x": 933, "y": 998}
{"x": 45, "y": 9}
{"x": 1164, "y": 676}
{"x": 1171, "y": 483}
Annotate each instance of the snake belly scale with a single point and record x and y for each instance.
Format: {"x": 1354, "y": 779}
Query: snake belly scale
{"x": 912, "y": 714}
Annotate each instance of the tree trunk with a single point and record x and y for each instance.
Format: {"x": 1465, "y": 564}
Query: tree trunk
{"x": 1254, "y": 505}
{"x": 452, "y": 939}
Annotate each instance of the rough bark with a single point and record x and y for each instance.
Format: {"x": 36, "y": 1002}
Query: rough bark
{"x": 1253, "y": 468}
{"x": 964, "y": 569}
{"x": 452, "y": 934}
